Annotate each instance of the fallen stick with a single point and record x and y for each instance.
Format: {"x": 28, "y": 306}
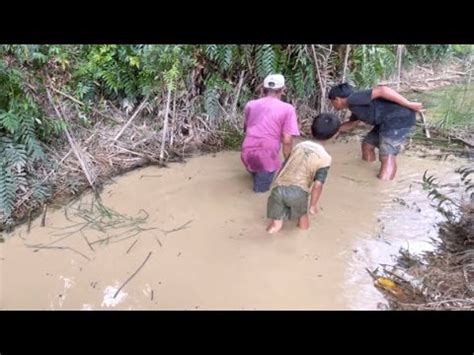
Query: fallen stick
{"x": 72, "y": 143}
{"x": 454, "y": 138}
{"x": 87, "y": 241}
{"x": 459, "y": 300}
{"x": 27, "y": 195}
{"x": 29, "y": 222}
{"x": 60, "y": 248}
{"x": 38, "y": 246}
{"x": 43, "y": 218}
{"x": 426, "y": 70}
{"x": 131, "y": 246}
{"x": 457, "y": 72}
{"x": 137, "y": 111}
{"x": 107, "y": 240}
{"x": 440, "y": 78}
{"x": 236, "y": 99}
{"x": 321, "y": 86}
{"x": 177, "y": 229}
{"x": 83, "y": 104}
{"x": 161, "y": 245}
{"x": 419, "y": 80}
{"x": 131, "y": 276}
{"x": 355, "y": 180}
{"x": 425, "y": 127}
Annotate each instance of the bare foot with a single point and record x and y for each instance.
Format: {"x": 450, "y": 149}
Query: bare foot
{"x": 274, "y": 227}
{"x": 273, "y": 230}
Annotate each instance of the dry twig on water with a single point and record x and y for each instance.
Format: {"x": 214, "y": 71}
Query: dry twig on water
{"x": 132, "y": 275}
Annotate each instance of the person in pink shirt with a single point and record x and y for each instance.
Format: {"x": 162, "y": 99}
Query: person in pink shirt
{"x": 269, "y": 123}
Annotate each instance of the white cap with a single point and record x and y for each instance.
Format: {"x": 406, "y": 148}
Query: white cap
{"x": 274, "y": 81}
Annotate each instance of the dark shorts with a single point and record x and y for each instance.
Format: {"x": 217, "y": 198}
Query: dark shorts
{"x": 389, "y": 141}
{"x": 262, "y": 181}
{"x": 287, "y": 202}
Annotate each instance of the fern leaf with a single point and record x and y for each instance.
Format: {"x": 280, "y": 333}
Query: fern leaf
{"x": 265, "y": 60}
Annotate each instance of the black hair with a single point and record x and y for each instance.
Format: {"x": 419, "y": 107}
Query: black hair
{"x": 325, "y": 126}
{"x": 341, "y": 90}
{"x": 266, "y": 91}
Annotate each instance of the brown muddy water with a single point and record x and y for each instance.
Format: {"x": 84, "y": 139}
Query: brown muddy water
{"x": 210, "y": 249}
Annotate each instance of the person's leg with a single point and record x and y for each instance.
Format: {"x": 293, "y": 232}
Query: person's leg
{"x": 297, "y": 199}
{"x": 390, "y": 144}
{"x": 368, "y": 152}
{"x": 262, "y": 181}
{"x": 303, "y": 221}
{"x": 277, "y": 212}
{"x": 388, "y": 168}
{"x": 370, "y": 142}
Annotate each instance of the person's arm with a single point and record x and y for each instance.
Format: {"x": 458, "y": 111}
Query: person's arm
{"x": 349, "y": 125}
{"x": 289, "y": 129}
{"x": 317, "y": 189}
{"x": 315, "y": 194}
{"x": 287, "y": 142}
{"x": 384, "y": 92}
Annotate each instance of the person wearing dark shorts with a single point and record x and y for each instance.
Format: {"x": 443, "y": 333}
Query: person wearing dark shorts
{"x": 300, "y": 181}
{"x": 392, "y": 116}
{"x": 269, "y": 126}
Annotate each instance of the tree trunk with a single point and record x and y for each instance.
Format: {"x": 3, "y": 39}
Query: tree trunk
{"x": 346, "y": 59}
{"x": 399, "y": 64}
{"x": 165, "y": 126}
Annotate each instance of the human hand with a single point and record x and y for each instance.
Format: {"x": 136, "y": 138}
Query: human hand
{"x": 313, "y": 210}
{"x": 416, "y": 106}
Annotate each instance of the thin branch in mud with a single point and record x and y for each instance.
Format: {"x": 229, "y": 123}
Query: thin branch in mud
{"x": 355, "y": 180}
{"x": 131, "y": 246}
{"x": 161, "y": 245}
{"x": 135, "y": 114}
{"x": 66, "y": 215}
{"x": 133, "y": 153}
{"x": 54, "y": 241}
{"x": 73, "y": 143}
{"x": 237, "y": 94}
{"x": 43, "y": 218}
{"x": 425, "y": 125}
{"x": 82, "y": 104}
{"x": 29, "y": 193}
{"x": 87, "y": 241}
{"x": 372, "y": 273}
{"x": 133, "y": 275}
{"x": 146, "y": 229}
{"x": 107, "y": 240}
{"x": 59, "y": 248}
{"x": 142, "y": 176}
{"x": 427, "y": 305}
{"x": 184, "y": 226}
{"x": 29, "y": 222}
{"x": 84, "y": 225}
{"x": 125, "y": 238}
